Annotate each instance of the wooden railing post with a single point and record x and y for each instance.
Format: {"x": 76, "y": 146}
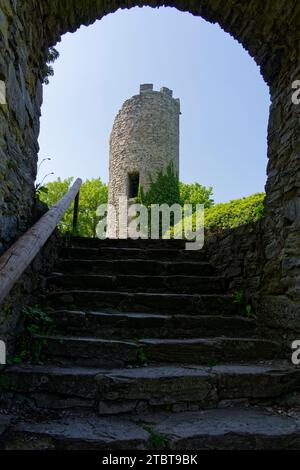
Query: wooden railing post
{"x": 76, "y": 211}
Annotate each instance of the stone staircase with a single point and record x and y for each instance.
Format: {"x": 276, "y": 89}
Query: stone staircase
{"x": 149, "y": 351}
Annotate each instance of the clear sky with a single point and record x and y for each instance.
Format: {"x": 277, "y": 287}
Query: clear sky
{"x": 224, "y": 100}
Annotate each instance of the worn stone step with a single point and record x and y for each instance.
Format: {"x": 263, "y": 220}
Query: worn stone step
{"x": 133, "y": 283}
{"x": 135, "y": 266}
{"x": 206, "y": 350}
{"x": 143, "y": 301}
{"x": 99, "y": 352}
{"x": 216, "y": 429}
{"x": 265, "y": 379}
{"x": 177, "y": 387}
{"x": 172, "y": 387}
{"x": 88, "y": 351}
{"x": 134, "y": 325}
{"x": 51, "y": 386}
{"x": 55, "y": 387}
{"x": 86, "y": 431}
{"x": 116, "y": 253}
{"x": 236, "y": 428}
{"x": 83, "y": 242}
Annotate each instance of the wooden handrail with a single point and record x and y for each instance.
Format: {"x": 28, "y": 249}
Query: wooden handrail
{"x": 18, "y": 257}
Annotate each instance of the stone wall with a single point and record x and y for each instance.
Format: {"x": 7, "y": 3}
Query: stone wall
{"x": 269, "y": 31}
{"x": 240, "y": 256}
{"x": 26, "y": 291}
{"x": 20, "y": 69}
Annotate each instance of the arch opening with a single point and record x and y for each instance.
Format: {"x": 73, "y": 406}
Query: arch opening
{"x": 223, "y": 135}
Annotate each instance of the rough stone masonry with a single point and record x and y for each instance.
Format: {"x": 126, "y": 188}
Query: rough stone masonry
{"x": 144, "y": 140}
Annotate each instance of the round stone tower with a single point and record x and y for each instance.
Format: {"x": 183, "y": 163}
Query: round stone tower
{"x": 144, "y": 140}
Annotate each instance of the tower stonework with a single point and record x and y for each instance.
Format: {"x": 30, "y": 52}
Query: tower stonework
{"x": 143, "y": 141}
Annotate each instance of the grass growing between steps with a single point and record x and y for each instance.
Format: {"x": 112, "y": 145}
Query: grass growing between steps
{"x": 240, "y": 298}
{"x": 157, "y": 441}
{"x": 29, "y": 346}
{"x": 141, "y": 356}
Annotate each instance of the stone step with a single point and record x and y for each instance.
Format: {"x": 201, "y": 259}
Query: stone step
{"x": 100, "y": 352}
{"x": 236, "y": 428}
{"x": 178, "y": 388}
{"x": 134, "y": 266}
{"x": 88, "y": 351}
{"x": 134, "y": 325}
{"x": 83, "y": 242}
{"x": 239, "y": 428}
{"x": 143, "y": 301}
{"x": 133, "y": 283}
{"x": 50, "y": 386}
{"x": 70, "y": 431}
{"x": 206, "y": 350}
{"x": 116, "y": 253}
{"x": 172, "y": 387}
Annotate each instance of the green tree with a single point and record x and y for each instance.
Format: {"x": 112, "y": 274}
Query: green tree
{"x": 52, "y": 193}
{"x": 196, "y": 194}
{"x": 93, "y": 193}
{"x": 163, "y": 189}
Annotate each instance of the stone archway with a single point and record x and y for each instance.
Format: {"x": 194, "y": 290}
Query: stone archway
{"x": 269, "y": 32}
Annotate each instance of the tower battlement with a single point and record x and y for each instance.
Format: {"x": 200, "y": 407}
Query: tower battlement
{"x": 148, "y": 88}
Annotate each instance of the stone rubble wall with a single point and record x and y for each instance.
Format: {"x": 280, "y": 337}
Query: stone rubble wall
{"x": 20, "y": 70}
{"x": 27, "y": 291}
{"x": 239, "y": 255}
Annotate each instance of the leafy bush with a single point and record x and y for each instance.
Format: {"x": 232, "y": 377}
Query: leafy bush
{"x": 233, "y": 214}
{"x": 29, "y": 345}
{"x": 166, "y": 189}
{"x": 163, "y": 189}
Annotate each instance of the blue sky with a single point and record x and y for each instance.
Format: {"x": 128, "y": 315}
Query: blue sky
{"x": 224, "y": 100}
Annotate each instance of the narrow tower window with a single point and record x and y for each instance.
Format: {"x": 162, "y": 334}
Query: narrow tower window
{"x": 134, "y": 181}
